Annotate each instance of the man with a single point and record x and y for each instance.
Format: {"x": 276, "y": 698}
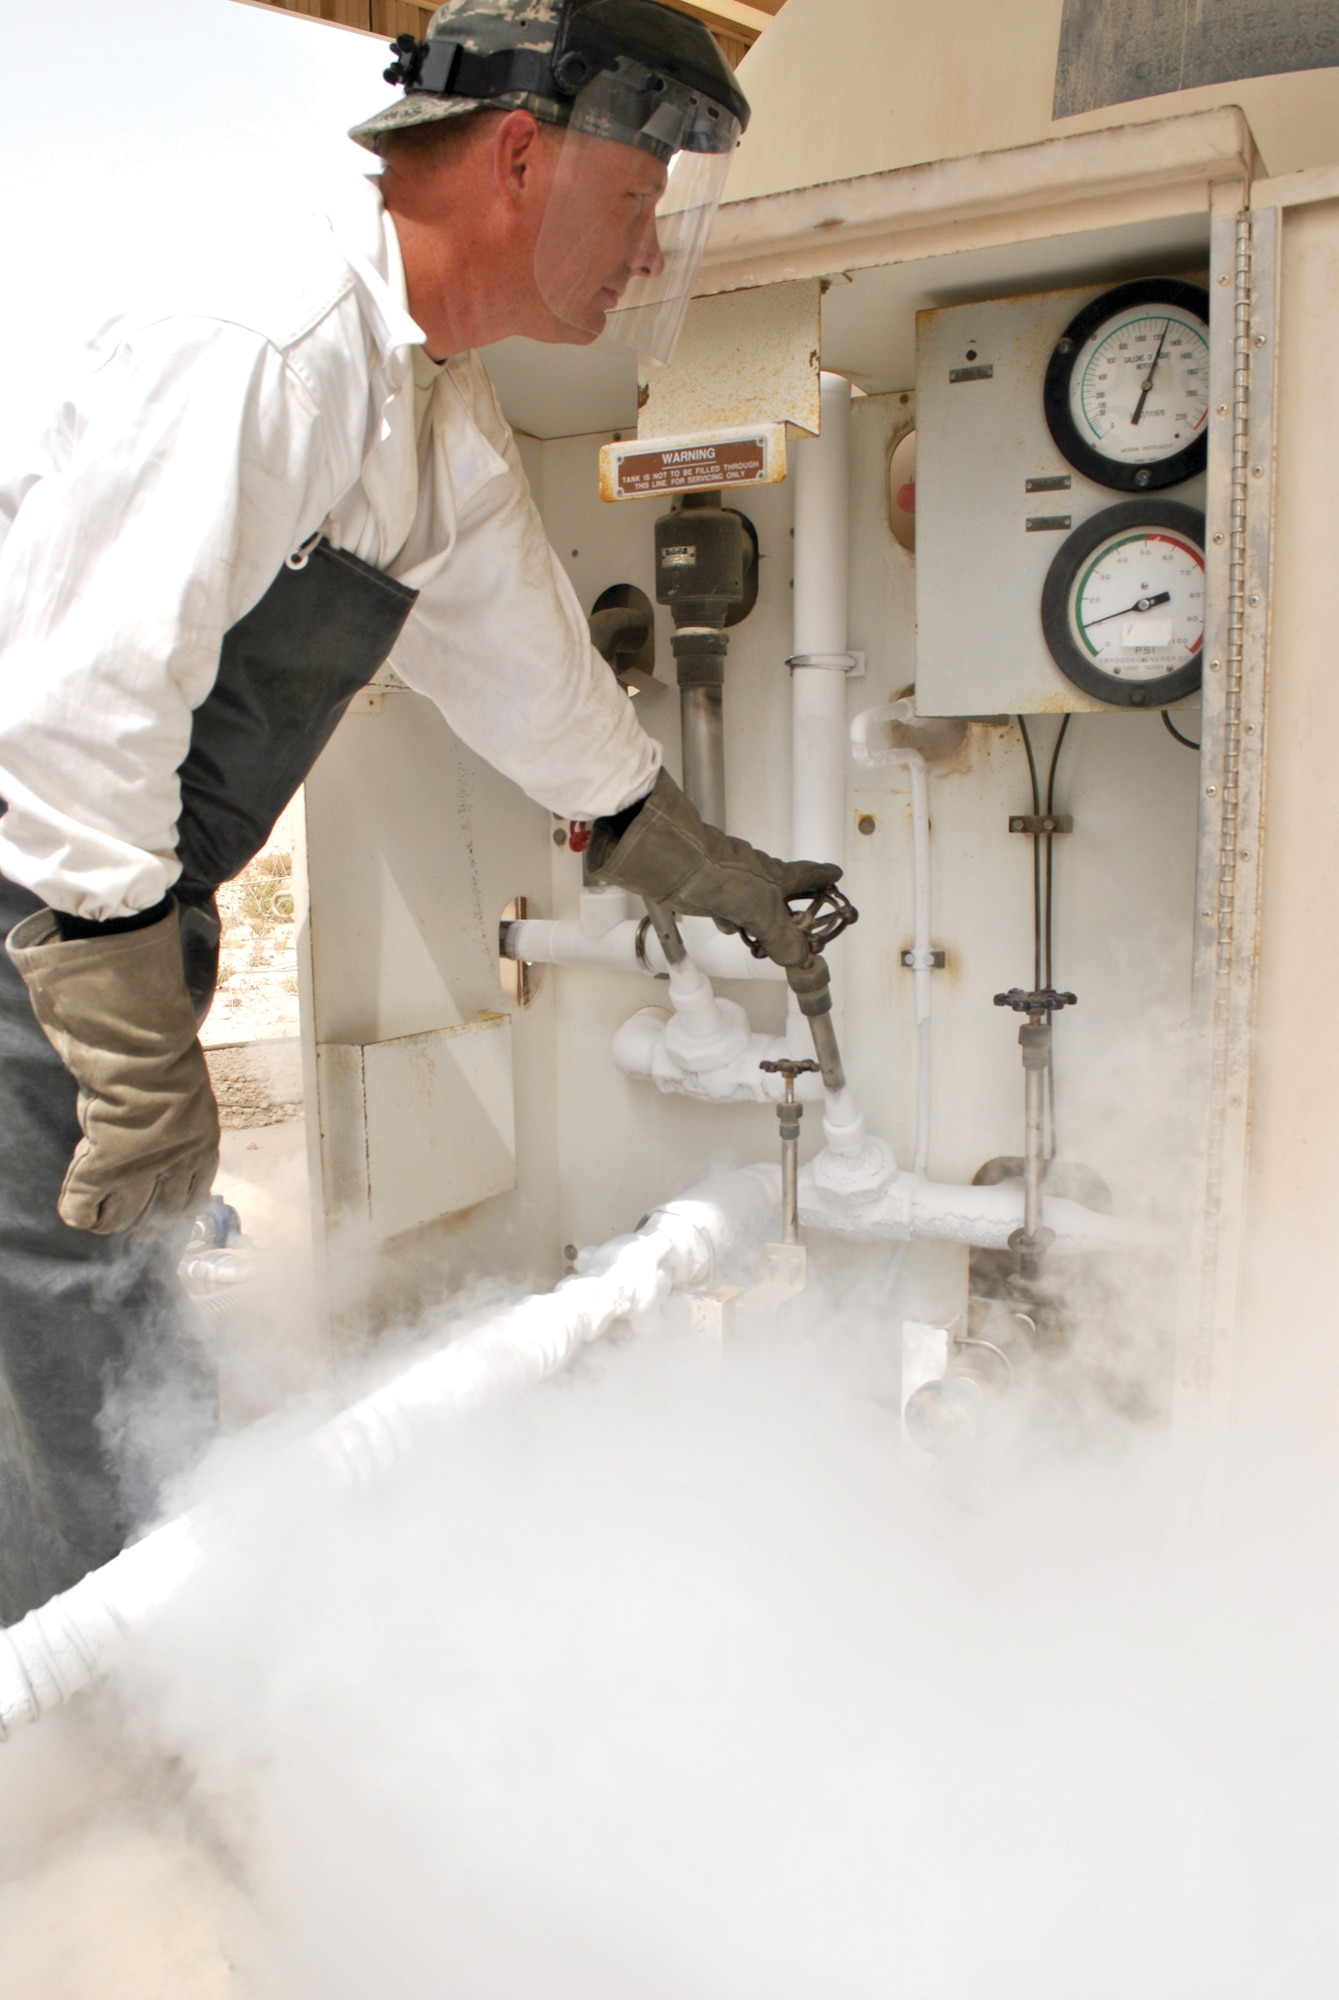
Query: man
{"x": 242, "y": 508}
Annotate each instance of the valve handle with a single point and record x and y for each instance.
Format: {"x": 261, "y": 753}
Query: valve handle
{"x": 1046, "y": 1002}
{"x": 822, "y": 919}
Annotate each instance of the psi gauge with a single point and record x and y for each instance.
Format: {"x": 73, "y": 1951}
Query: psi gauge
{"x": 1127, "y": 387}
{"x": 1122, "y": 607}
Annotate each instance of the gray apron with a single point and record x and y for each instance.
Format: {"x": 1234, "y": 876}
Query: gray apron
{"x": 101, "y": 1392}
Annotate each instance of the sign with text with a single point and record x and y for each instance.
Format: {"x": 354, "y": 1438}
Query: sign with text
{"x": 647, "y": 468}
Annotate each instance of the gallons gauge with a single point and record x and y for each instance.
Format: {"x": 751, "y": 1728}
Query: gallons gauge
{"x": 1122, "y": 607}
{"x": 1127, "y": 386}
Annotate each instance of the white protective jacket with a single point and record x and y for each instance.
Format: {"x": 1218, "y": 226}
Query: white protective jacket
{"x": 200, "y": 450}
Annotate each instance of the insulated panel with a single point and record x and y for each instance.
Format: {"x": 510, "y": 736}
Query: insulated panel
{"x": 420, "y": 1127}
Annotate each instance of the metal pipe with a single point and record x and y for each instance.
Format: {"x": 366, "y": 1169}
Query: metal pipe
{"x": 667, "y": 930}
{"x": 789, "y": 1115}
{"x": 1033, "y": 1239}
{"x": 790, "y": 1179}
{"x": 702, "y": 732}
{"x": 829, "y": 1055}
{"x": 1034, "y": 1159}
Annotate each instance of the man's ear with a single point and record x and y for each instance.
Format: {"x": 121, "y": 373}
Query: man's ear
{"x": 518, "y": 155}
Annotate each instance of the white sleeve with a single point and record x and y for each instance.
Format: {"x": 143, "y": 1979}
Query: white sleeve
{"x": 186, "y": 470}
{"x": 499, "y": 642}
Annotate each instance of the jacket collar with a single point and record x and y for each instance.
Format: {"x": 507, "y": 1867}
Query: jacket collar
{"x": 366, "y": 236}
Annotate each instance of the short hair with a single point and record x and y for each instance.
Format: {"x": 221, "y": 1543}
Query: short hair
{"x": 435, "y": 142}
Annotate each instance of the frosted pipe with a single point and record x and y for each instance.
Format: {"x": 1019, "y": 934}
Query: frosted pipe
{"x": 70, "y": 1642}
{"x": 984, "y": 1217}
{"x": 539, "y": 941}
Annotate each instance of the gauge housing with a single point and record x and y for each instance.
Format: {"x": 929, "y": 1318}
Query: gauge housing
{"x": 1151, "y": 475}
{"x": 1127, "y": 516}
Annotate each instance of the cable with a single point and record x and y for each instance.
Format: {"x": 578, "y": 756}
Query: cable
{"x": 1036, "y": 856}
{"x": 1042, "y": 897}
{"x": 1051, "y": 1140}
{"x": 1055, "y": 759}
{"x": 1172, "y": 730}
{"x": 1050, "y": 808}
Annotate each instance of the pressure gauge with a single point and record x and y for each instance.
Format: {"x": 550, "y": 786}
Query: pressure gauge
{"x": 1127, "y": 387}
{"x": 1122, "y": 607}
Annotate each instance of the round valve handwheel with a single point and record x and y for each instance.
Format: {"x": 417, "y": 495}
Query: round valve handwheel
{"x": 822, "y": 918}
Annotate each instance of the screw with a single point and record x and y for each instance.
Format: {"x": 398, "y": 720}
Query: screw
{"x": 866, "y": 823}
{"x": 1224, "y": 279}
{"x": 1255, "y": 597}
{"x": 560, "y": 836}
{"x": 1222, "y": 409}
{"x": 1211, "y": 791}
{"x": 1257, "y": 472}
{"x": 1215, "y": 666}
{"x": 1250, "y": 729}
{"x": 1262, "y": 340}
{"x": 1218, "y": 539}
{"x": 570, "y": 1252}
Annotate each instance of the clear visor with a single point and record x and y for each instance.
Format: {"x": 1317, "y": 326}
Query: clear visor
{"x": 636, "y": 188}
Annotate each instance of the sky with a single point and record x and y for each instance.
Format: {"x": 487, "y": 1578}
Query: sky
{"x": 118, "y": 118}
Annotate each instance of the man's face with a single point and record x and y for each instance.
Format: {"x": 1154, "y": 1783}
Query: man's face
{"x": 598, "y": 231}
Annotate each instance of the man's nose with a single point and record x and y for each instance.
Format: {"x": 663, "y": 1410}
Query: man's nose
{"x": 647, "y": 259}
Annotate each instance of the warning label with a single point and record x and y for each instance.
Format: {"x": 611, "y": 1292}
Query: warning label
{"x": 674, "y": 469}
{"x": 753, "y": 455}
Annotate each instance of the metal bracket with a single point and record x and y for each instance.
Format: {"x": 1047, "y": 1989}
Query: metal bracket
{"x": 930, "y": 961}
{"x": 1036, "y": 823}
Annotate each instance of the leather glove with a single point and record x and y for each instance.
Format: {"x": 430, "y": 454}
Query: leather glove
{"x": 116, "y": 1011}
{"x": 670, "y": 855}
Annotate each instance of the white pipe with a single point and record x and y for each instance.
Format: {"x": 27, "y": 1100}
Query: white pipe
{"x": 985, "y": 1217}
{"x": 703, "y": 1033}
{"x": 645, "y": 1047}
{"x": 538, "y": 941}
{"x": 901, "y": 712}
{"x": 820, "y": 662}
{"x": 72, "y": 1640}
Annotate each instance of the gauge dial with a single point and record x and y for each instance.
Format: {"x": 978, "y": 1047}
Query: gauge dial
{"x": 1123, "y": 604}
{"x": 1127, "y": 388}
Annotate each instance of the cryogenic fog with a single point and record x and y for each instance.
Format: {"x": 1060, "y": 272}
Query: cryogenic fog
{"x": 681, "y": 1677}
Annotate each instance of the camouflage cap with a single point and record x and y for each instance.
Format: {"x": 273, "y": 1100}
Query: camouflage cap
{"x": 485, "y": 27}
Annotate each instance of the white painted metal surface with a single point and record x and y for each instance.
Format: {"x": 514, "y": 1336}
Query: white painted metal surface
{"x": 981, "y": 557}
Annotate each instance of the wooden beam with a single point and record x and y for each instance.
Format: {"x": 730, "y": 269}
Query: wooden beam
{"x": 736, "y": 24}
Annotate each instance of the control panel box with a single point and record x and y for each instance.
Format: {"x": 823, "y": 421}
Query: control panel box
{"x": 1041, "y": 588}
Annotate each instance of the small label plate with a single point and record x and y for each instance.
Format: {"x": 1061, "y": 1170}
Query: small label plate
{"x": 646, "y": 468}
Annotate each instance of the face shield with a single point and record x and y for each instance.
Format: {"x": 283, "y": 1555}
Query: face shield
{"x": 639, "y": 176}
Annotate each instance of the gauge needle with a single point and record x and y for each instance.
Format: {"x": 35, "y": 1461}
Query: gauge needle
{"x": 1140, "y": 604}
{"x": 1152, "y": 370}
